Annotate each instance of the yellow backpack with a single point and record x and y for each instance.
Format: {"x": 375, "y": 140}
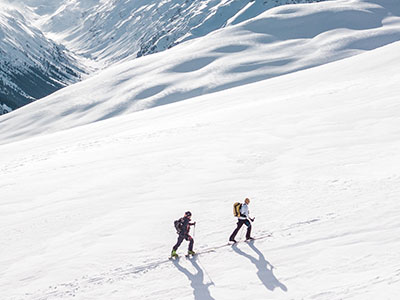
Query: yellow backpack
{"x": 236, "y": 209}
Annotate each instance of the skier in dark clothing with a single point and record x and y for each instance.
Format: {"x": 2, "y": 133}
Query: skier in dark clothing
{"x": 183, "y": 227}
{"x": 245, "y": 219}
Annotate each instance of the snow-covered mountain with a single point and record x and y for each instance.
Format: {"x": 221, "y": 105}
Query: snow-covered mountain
{"x": 281, "y": 40}
{"x": 4, "y": 109}
{"x": 87, "y": 213}
{"x": 31, "y": 66}
{"x": 297, "y": 108}
{"x": 104, "y": 32}
{"x": 109, "y": 31}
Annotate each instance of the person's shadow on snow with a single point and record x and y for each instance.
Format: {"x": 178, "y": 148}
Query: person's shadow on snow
{"x": 265, "y": 269}
{"x": 200, "y": 290}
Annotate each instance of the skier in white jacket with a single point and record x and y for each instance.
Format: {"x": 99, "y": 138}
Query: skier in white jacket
{"x": 244, "y": 218}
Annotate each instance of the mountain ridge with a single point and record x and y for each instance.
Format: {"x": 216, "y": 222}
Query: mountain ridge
{"x": 31, "y": 66}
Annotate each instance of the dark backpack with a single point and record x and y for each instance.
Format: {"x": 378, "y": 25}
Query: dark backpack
{"x": 236, "y": 209}
{"x": 178, "y": 225}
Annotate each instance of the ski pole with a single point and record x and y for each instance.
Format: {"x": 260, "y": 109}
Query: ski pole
{"x": 205, "y": 271}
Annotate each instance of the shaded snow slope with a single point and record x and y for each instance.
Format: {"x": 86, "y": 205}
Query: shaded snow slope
{"x": 105, "y": 32}
{"x": 283, "y": 40}
{"x": 109, "y": 31}
{"x": 87, "y": 213}
{"x": 31, "y": 66}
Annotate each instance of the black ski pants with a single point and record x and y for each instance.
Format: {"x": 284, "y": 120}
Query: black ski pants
{"x": 182, "y": 237}
{"x": 239, "y": 225}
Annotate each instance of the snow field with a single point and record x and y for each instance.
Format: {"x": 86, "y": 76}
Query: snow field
{"x": 87, "y": 212}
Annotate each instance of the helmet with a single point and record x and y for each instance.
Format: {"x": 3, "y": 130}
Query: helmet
{"x": 188, "y": 213}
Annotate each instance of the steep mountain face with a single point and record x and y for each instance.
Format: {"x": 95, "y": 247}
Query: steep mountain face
{"x": 31, "y": 66}
{"x": 4, "y": 109}
{"x": 112, "y": 30}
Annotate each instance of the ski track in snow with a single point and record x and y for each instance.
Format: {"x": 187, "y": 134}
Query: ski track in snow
{"x": 86, "y": 212}
{"x": 130, "y": 272}
{"x": 128, "y": 275}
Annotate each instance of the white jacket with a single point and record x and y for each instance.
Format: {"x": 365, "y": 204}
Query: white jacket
{"x": 244, "y": 211}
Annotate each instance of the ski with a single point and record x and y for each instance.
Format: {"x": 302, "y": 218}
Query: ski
{"x": 215, "y": 248}
{"x": 188, "y": 256}
{"x": 251, "y": 239}
{"x": 230, "y": 243}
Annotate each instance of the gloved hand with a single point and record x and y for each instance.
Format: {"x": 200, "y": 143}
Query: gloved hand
{"x": 252, "y": 219}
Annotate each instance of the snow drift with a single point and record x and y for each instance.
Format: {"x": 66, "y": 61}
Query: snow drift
{"x": 109, "y": 31}
{"x": 280, "y": 41}
{"x": 93, "y": 34}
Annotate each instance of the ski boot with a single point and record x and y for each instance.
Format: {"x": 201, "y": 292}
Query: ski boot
{"x": 174, "y": 254}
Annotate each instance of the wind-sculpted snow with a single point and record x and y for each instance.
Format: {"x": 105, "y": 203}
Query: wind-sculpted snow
{"x": 103, "y": 31}
{"x": 280, "y": 41}
{"x": 112, "y": 30}
{"x": 31, "y": 66}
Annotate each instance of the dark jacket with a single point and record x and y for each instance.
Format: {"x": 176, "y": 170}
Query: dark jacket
{"x": 185, "y": 226}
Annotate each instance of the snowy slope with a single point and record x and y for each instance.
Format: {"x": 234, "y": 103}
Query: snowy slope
{"x": 109, "y": 31}
{"x": 86, "y": 207}
{"x": 31, "y": 66}
{"x": 87, "y": 213}
{"x": 280, "y": 41}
